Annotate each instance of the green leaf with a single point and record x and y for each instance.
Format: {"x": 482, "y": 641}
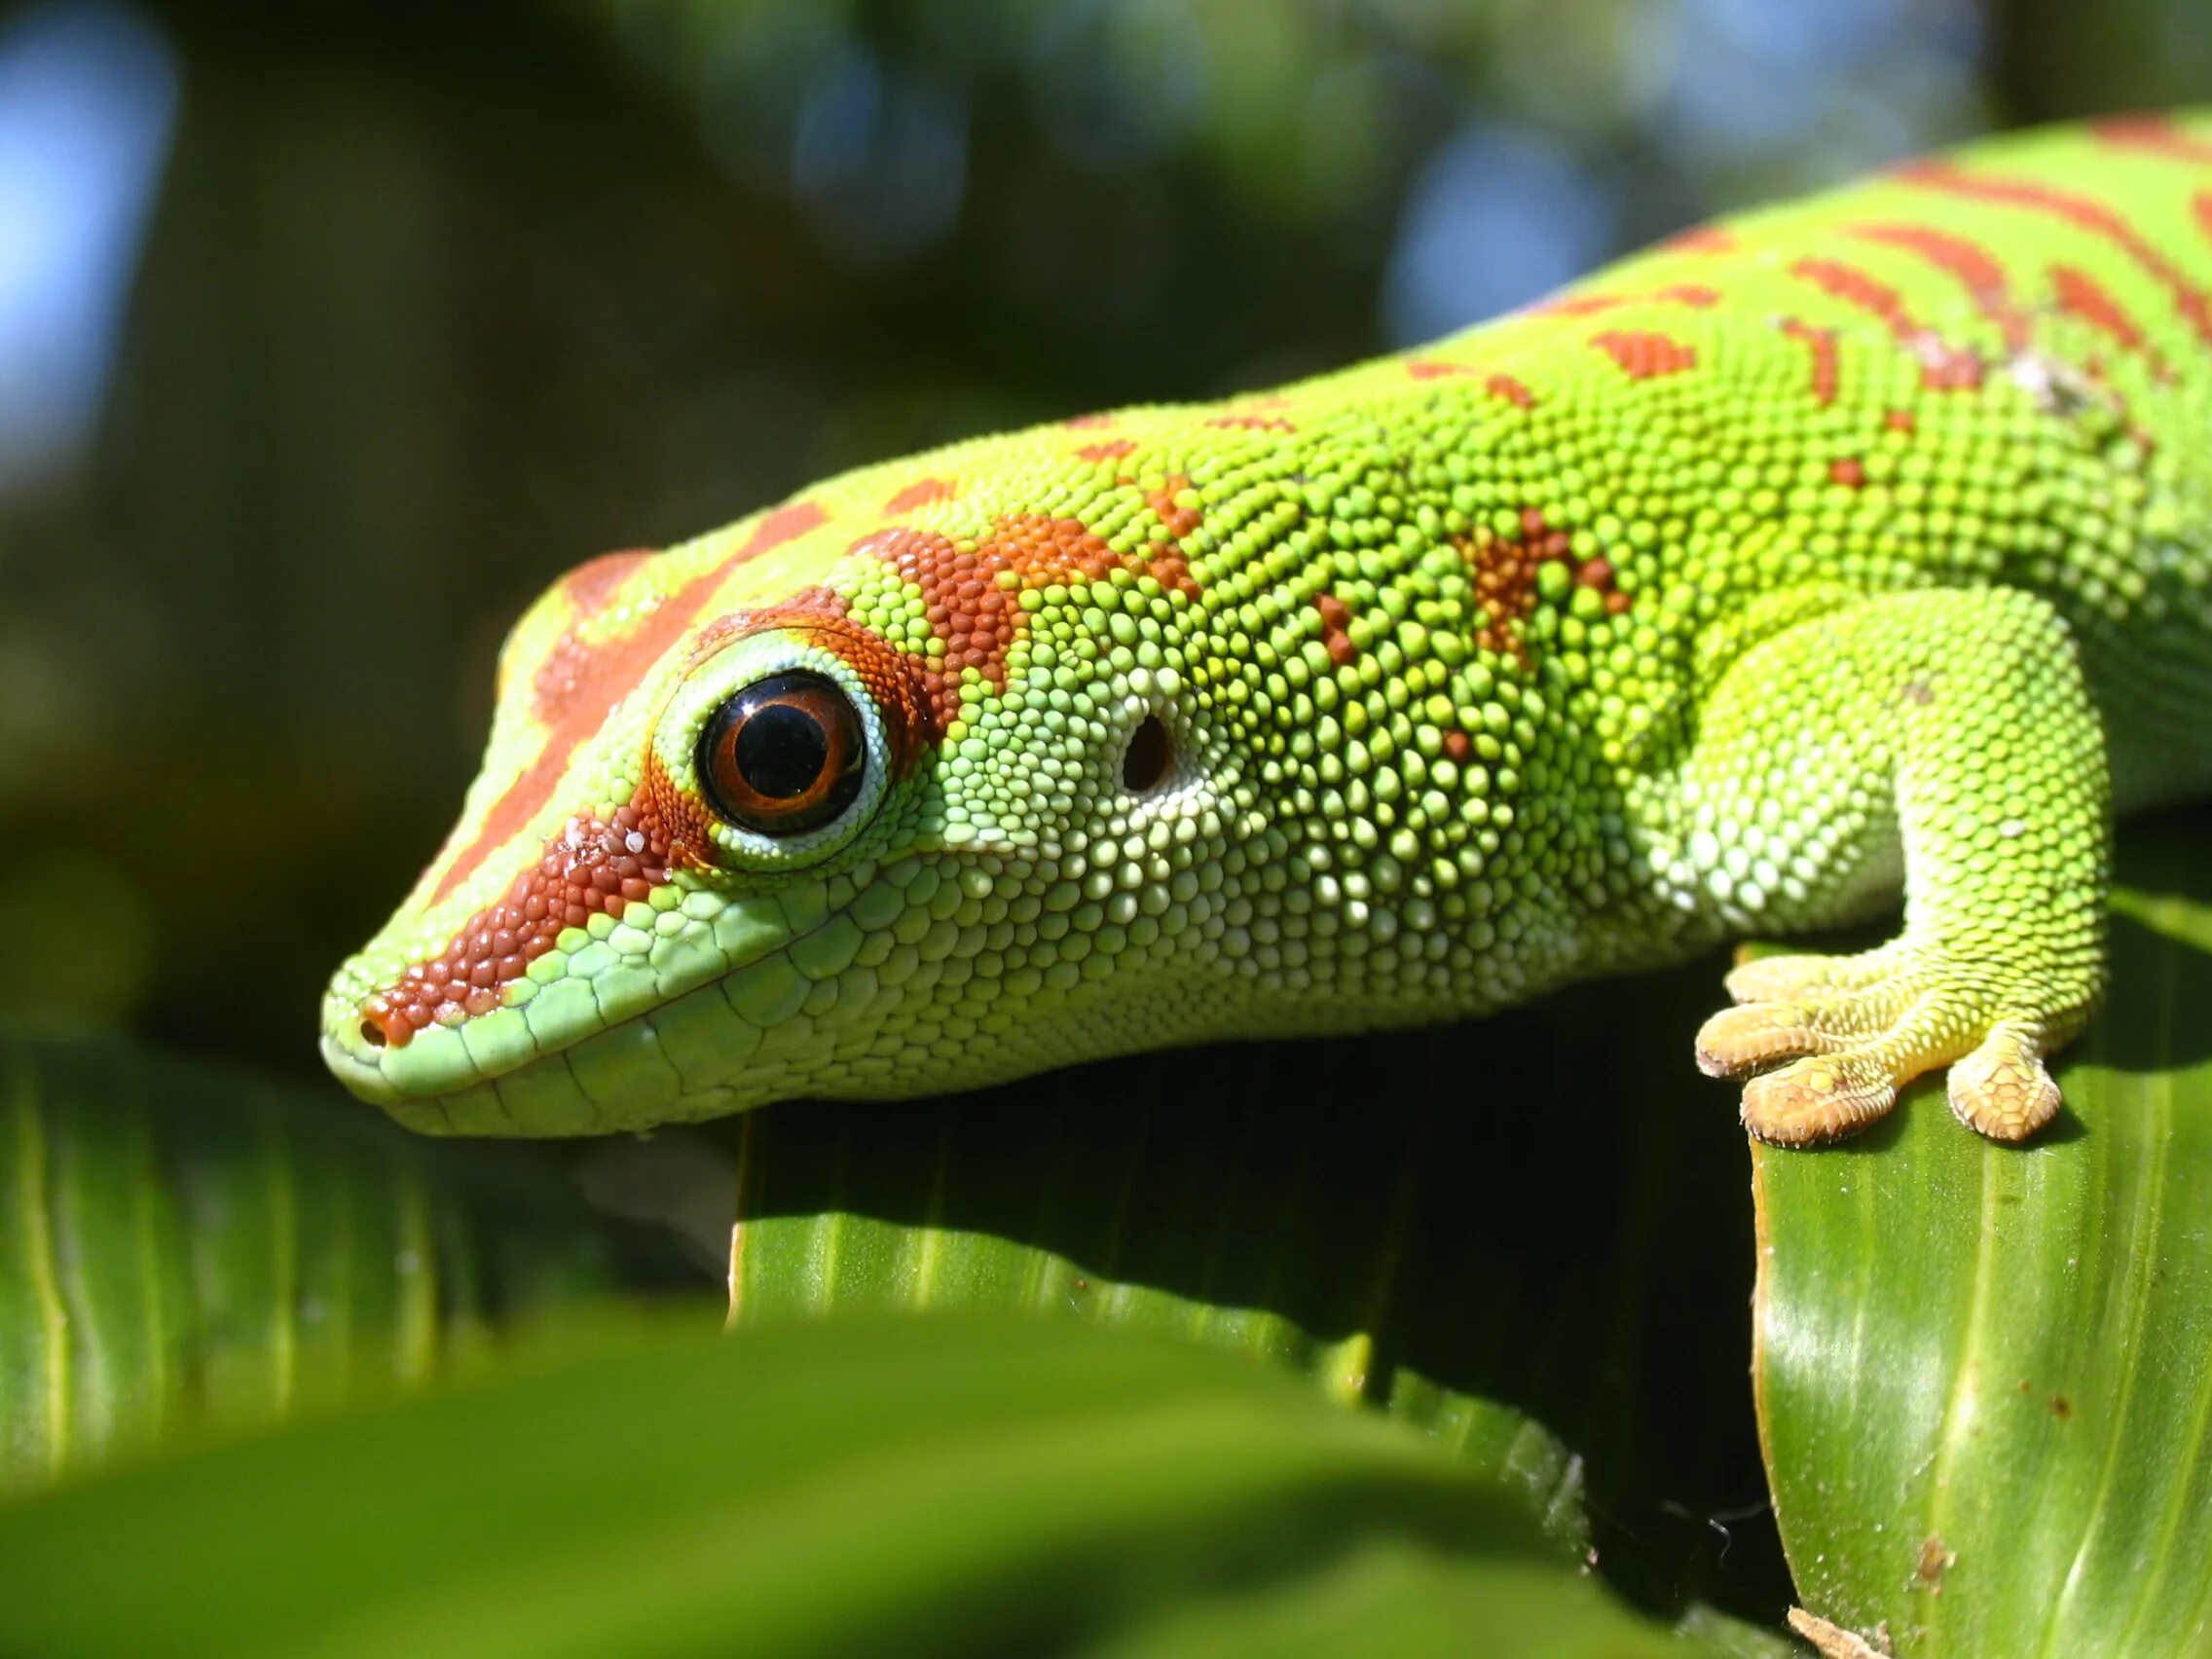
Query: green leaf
{"x": 1115, "y": 1218}
{"x": 1984, "y": 1369}
{"x": 181, "y": 1249}
{"x": 868, "y": 1486}
{"x": 1507, "y": 1234}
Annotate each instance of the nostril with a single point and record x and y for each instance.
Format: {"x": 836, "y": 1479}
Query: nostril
{"x": 382, "y": 1025}
{"x": 1150, "y": 757}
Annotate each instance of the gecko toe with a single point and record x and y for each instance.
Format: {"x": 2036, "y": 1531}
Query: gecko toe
{"x": 1837, "y": 1038}
{"x": 1739, "y": 1041}
{"x": 2003, "y": 1089}
{"x": 1793, "y": 978}
{"x": 1753, "y": 1036}
{"x": 1818, "y": 1098}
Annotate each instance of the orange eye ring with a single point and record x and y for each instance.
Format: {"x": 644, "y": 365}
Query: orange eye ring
{"x": 784, "y": 756}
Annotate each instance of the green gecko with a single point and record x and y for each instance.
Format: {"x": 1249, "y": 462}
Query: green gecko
{"x": 1853, "y": 542}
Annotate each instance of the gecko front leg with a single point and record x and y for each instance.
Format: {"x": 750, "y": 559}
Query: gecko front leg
{"x": 1964, "y": 713}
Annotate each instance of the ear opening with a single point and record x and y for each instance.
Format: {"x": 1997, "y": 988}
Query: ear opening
{"x": 1149, "y": 762}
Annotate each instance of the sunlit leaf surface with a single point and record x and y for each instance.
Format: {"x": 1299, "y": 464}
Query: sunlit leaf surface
{"x": 1986, "y": 1372}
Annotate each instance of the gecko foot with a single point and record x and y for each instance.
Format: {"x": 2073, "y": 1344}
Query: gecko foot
{"x": 1827, "y": 1041}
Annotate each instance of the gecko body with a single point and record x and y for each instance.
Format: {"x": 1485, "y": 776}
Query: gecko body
{"x": 1850, "y": 544}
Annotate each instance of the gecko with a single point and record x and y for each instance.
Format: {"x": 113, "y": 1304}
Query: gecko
{"x": 1841, "y": 548}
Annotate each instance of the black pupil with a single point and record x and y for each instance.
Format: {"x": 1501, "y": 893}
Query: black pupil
{"x": 781, "y": 751}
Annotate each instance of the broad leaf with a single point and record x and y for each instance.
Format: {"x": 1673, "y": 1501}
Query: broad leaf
{"x": 1007, "y": 1486}
{"x": 1503, "y": 1232}
{"x": 1984, "y": 1370}
{"x": 182, "y": 1248}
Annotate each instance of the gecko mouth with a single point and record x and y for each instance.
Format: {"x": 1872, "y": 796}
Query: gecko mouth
{"x": 687, "y": 1016}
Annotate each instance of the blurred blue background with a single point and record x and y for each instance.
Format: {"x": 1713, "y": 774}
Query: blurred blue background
{"x": 330, "y": 332}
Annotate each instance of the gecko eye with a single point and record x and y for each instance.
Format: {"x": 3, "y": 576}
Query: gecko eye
{"x": 784, "y": 756}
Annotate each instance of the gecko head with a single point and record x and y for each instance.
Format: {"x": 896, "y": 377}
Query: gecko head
{"x": 864, "y": 796}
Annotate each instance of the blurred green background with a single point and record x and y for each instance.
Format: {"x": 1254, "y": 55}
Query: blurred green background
{"x": 330, "y": 332}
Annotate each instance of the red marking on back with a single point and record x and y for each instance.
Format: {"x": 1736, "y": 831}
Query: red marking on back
{"x": 2080, "y": 294}
{"x": 1335, "y": 629}
{"x": 1848, "y": 471}
{"x": 1597, "y": 576}
{"x": 1701, "y": 238}
{"x": 978, "y": 618}
{"x": 2154, "y": 136}
{"x": 2081, "y": 211}
{"x": 1644, "y": 355}
{"x": 1180, "y": 521}
{"x": 1506, "y": 578}
{"x": 1942, "y": 367}
{"x": 1080, "y": 422}
{"x": 1975, "y": 268}
{"x": 1695, "y": 295}
{"x": 1512, "y": 389}
{"x": 1101, "y": 452}
{"x": 2201, "y": 206}
{"x": 582, "y": 680}
{"x": 1900, "y": 421}
{"x": 922, "y": 493}
{"x": 1459, "y": 746}
{"x": 1822, "y": 342}
{"x": 1254, "y": 423}
{"x": 1848, "y": 283}
{"x": 1504, "y": 568}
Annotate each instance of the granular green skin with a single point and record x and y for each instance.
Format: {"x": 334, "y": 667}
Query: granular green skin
{"x": 1852, "y": 541}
